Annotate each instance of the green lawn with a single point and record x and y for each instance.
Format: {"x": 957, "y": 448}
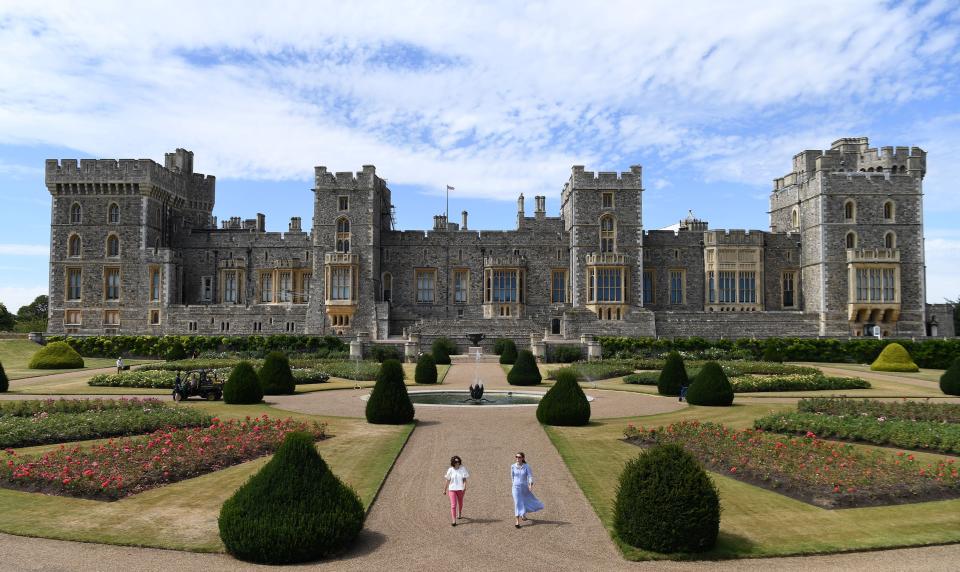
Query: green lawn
{"x": 754, "y": 522}
{"x": 183, "y": 516}
{"x": 16, "y": 354}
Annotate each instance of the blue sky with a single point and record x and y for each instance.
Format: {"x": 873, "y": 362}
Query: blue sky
{"x": 712, "y": 98}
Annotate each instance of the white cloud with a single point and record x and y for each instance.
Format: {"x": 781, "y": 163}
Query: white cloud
{"x": 13, "y": 297}
{"x": 943, "y": 273}
{"x": 24, "y": 250}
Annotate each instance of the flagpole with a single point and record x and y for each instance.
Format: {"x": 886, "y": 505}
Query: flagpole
{"x": 447, "y": 215}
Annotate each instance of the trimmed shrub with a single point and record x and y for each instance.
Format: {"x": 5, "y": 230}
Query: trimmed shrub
{"x": 426, "y": 370}
{"x": 565, "y": 403}
{"x": 525, "y": 370}
{"x": 293, "y": 510}
{"x": 447, "y": 344}
{"x": 56, "y": 355}
{"x": 666, "y": 502}
{"x": 509, "y": 354}
{"x": 772, "y": 353}
{"x": 566, "y": 354}
{"x": 243, "y": 385}
{"x": 389, "y": 403}
{"x": 501, "y": 344}
{"x": 175, "y": 352}
{"x": 710, "y": 387}
{"x": 440, "y": 354}
{"x": 275, "y": 375}
{"x": 383, "y": 352}
{"x": 673, "y": 376}
{"x": 949, "y": 381}
{"x": 4, "y": 382}
{"x": 894, "y": 357}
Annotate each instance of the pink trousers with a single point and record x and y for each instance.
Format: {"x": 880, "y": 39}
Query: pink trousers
{"x": 456, "y": 503}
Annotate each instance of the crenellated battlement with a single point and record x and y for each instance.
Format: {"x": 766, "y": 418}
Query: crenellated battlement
{"x": 324, "y": 179}
{"x": 854, "y": 155}
{"x": 583, "y": 179}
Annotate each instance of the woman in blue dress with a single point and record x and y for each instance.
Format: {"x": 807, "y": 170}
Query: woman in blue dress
{"x": 523, "y": 500}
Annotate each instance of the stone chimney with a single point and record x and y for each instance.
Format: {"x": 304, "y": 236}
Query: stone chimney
{"x": 463, "y": 220}
{"x": 541, "y": 209}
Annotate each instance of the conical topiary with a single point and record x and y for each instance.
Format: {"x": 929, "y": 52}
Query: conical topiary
{"x": 673, "y": 376}
{"x": 294, "y": 510}
{"x": 440, "y": 355}
{"x": 500, "y": 344}
{"x": 894, "y": 357}
{"x": 243, "y": 386}
{"x": 389, "y": 403}
{"x": 275, "y": 375}
{"x": 4, "y": 382}
{"x": 565, "y": 404}
{"x": 666, "y": 502}
{"x": 426, "y": 371}
{"x": 950, "y": 380}
{"x": 710, "y": 387}
{"x": 525, "y": 370}
{"x": 509, "y": 353}
{"x": 56, "y": 355}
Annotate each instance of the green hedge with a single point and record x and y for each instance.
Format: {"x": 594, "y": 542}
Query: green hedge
{"x": 950, "y": 380}
{"x": 908, "y": 410}
{"x": 931, "y": 353}
{"x": 798, "y": 382}
{"x": 159, "y": 346}
{"x": 564, "y": 353}
{"x": 56, "y": 355}
{"x": 596, "y": 370}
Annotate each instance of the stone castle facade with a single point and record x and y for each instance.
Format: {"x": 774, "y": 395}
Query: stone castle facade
{"x": 135, "y": 249}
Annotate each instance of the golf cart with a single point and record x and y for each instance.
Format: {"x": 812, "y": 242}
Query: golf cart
{"x": 197, "y": 382}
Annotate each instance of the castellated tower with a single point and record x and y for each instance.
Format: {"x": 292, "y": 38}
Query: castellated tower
{"x": 114, "y": 228}
{"x": 351, "y": 212}
{"x": 859, "y": 214}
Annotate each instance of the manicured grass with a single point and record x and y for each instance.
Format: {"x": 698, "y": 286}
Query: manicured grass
{"x": 754, "y": 522}
{"x": 183, "y": 516}
{"x": 923, "y": 374}
{"x": 15, "y": 354}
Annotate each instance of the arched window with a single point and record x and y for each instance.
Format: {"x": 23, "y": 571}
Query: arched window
{"x": 890, "y": 240}
{"x": 343, "y": 235}
{"x": 73, "y": 246}
{"x": 849, "y": 211}
{"x": 795, "y": 218}
{"x": 851, "y": 240}
{"x": 608, "y": 234}
{"x": 387, "y": 286}
{"x": 113, "y": 213}
{"x": 76, "y": 214}
{"x": 889, "y": 211}
{"x": 903, "y": 168}
{"x": 113, "y": 245}
{"x": 879, "y": 169}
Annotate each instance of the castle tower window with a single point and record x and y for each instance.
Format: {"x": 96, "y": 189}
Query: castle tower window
{"x": 343, "y": 235}
{"x": 851, "y": 240}
{"x": 111, "y": 283}
{"x": 231, "y": 290}
{"x": 206, "y": 288}
{"x": 850, "y": 211}
{"x": 676, "y": 286}
{"x": 73, "y": 283}
{"x": 605, "y": 285}
{"x": 285, "y": 287}
{"x": 888, "y": 211}
{"x": 789, "y": 300}
{"x": 113, "y": 213}
{"x": 558, "y": 286}
{"x": 502, "y": 286}
{"x": 76, "y": 214}
{"x": 72, "y": 317}
{"x": 608, "y": 234}
{"x": 387, "y": 286}
{"x": 711, "y": 287}
{"x": 795, "y": 218}
{"x": 728, "y": 287}
{"x": 112, "y": 318}
{"x": 607, "y": 200}
{"x": 649, "y": 291}
{"x": 343, "y": 203}
{"x": 461, "y": 286}
{"x": 73, "y": 246}
{"x": 305, "y": 287}
{"x": 266, "y": 287}
{"x": 748, "y": 288}
{"x": 876, "y": 284}
{"x": 113, "y": 245}
{"x": 426, "y": 280}
{"x": 154, "y": 284}
{"x": 890, "y": 240}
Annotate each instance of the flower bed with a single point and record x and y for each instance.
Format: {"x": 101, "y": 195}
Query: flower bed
{"x": 344, "y": 369}
{"x": 912, "y": 410}
{"x": 732, "y": 368}
{"x": 592, "y": 371}
{"x": 124, "y": 467}
{"x": 93, "y": 419}
{"x": 823, "y": 473}
{"x": 164, "y": 378}
{"x": 643, "y": 378}
{"x": 185, "y": 364}
{"x": 756, "y": 383}
{"x": 31, "y": 407}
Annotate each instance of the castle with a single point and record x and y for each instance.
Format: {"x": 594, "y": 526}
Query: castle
{"x": 135, "y": 250}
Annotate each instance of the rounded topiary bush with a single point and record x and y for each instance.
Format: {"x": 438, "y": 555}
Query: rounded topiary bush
{"x": 426, "y": 371}
{"x": 666, "y": 502}
{"x": 4, "y": 382}
{"x": 56, "y": 355}
{"x": 508, "y": 355}
{"x": 710, "y": 387}
{"x": 565, "y": 403}
{"x": 440, "y": 355}
{"x": 949, "y": 381}
{"x": 673, "y": 375}
{"x": 294, "y": 510}
{"x": 275, "y": 375}
{"x": 447, "y": 344}
{"x": 894, "y": 357}
{"x": 525, "y": 370}
{"x": 501, "y": 344}
{"x": 772, "y": 353}
{"x": 243, "y": 385}
{"x": 389, "y": 403}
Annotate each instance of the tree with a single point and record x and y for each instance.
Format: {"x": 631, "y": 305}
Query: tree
{"x": 36, "y": 310}
{"x": 7, "y": 320}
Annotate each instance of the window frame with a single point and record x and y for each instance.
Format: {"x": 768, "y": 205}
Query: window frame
{"x": 421, "y": 291}
{"x": 682, "y": 274}
{"x": 114, "y": 208}
{"x": 113, "y": 239}
{"x": 109, "y": 271}
{"x": 68, "y": 291}
{"x": 461, "y": 285}
{"x": 563, "y": 290}
{"x": 608, "y": 236}
{"x": 792, "y": 274}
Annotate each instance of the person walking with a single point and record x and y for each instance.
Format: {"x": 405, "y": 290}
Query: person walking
{"x": 455, "y": 488}
{"x": 523, "y": 500}
{"x": 120, "y": 364}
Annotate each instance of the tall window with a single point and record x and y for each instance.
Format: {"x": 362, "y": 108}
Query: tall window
{"x": 849, "y": 211}
{"x": 748, "y": 288}
{"x": 113, "y": 214}
{"x": 305, "y": 288}
{"x": 607, "y": 200}
{"x": 558, "y": 286}
{"x": 649, "y": 291}
{"x": 230, "y": 288}
{"x": 155, "y": 284}
{"x": 728, "y": 287}
{"x": 73, "y": 283}
{"x": 113, "y": 245}
{"x": 605, "y": 285}
{"x": 426, "y": 282}
{"x": 876, "y": 284}
{"x": 795, "y": 218}
{"x": 890, "y": 240}
{"x": 206, "y": 288}
{"x": 889, "y": 285}
{"x": 788, "y": 289}
{"x": 76, "y": 214}
{"x": 111, "y": 281}
{"x": 888, "y": 211}
{"x": 73, "y": 246}
{"x": 387, "y": 287}
{"x": 343, "y": 235}
{"x": 608, "y": 234}
{"x": 851, "y": 240}
{"x": 285, "y": 287}
{"x": 676, "y": 286}
{"x": 341, "y": 283}
{"x": 461, "y": 281}
{"x": 266, "y": 287}
{"x": 504, "y": 286}
{"x": 343, "y": 203}
{"x": 711, "y": 287}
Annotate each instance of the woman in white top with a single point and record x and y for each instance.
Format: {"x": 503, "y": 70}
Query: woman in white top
{"x": 456, "y": 486}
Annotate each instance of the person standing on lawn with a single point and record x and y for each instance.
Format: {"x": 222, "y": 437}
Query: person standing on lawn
{"x": 120, "y": 364}
{"x": 455, "y": 488}
{"x": 523, "y": 500}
